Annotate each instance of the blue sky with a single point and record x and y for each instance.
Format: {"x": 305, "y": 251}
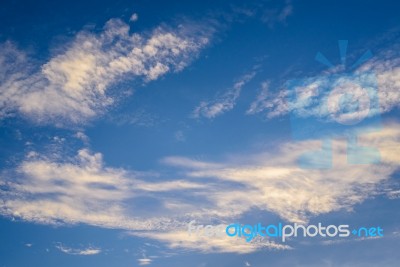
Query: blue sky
{"x": 122, "y": 121}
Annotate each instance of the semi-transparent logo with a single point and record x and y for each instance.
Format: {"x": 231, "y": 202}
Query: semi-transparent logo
{"x": 343, "y": 103}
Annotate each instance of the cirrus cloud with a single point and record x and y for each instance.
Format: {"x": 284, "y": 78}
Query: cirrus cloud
{"x": 76, "y": 84}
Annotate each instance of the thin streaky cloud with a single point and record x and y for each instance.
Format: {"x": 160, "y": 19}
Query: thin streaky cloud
{"x": 76, "y": 85}
{"x": 82, "y": 190}
{"x": 224, "y": 102}
{"x": 78, "y": 251}
{"x": 261, "y": 101}
{"x": 180, "y": 239}
{"x": 385, "y": 66}
{"x": 274, "y": 182}
{"x": 144, "y": 261}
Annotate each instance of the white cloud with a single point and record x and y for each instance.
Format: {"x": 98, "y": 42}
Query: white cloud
{"x": 224, "y": 102}
{"x": 261, "y": 102}
{"x": 180, "y": 239}
{"x": 134, "y": 17}
{"x": 275, "y": 182}
{"x": 384, "y": 66}
{"x": 75, "y": 85}
{"x": 144, "y": 261}
{"x": 74, "y": 251}
{"x": 83, "y": 190}
{"x": 387, "y": 68}
{"x": 82, "y": 136}
{"x": 393, "y": 194}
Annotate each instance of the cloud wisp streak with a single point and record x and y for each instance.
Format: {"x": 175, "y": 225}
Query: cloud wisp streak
{"x": 83, "y": 190}
{"x": 386, "y": 70}
{"x": 75, "y": 251}
{"x": 76, "y": 84}
{"x": 222, "y": 103}
{"x": 275, "y": 182}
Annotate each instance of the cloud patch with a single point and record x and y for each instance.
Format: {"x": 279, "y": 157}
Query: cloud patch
{"x": 222, "y": 103}
{"x": 275, "y": 182}
{"x": 180, "y": 239}
{"x": 385, "y": 67}
{"x": 76, "y": 84}
{"x": 82, "y": 252}
{"x": 82, "y": 190}
{"x": 144, "y": 261}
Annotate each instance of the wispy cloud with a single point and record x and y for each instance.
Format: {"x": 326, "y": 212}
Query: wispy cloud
{"x": 82, "y": 136}
{"x": 340, "y": 241}
{"x": 262, "y": 102}
{"x": 272, "y": 16}
{"x": 76, "y": 84}
{"x": 180, "y": 239}
{"x": 134, "y": 17}
{"x": 76, "y": 251}
{"x": 311, "y": 101}
{"x": 180, "y": 136}
{"x": 224, "y": 102}
{"x": 145, "y": 261}
{"x": 393, "y": 194}
{"x": 82, "y": 190}
{"x": 140, "y": 117}
{"x": 275, "y": 182}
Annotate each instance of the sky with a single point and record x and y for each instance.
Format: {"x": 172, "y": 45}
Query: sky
{"x": 122, "y": 121}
